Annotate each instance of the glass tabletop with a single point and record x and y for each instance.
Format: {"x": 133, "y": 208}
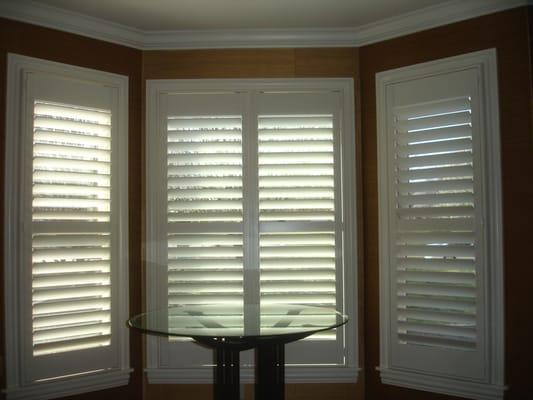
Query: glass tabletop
{"x": 248, "y": 321}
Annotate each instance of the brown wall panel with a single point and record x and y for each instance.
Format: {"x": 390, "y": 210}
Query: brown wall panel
{"x": 205, "y": 64}
{"x": 508, "y": 33}
{"x": 49, "y": 44}
{"x": 255, "y": 63}
{"x": 326, "y": 63}
{"x": 530, "y": 26}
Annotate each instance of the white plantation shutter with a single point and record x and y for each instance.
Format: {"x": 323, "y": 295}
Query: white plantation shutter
{"x": 299, "y": 191}
{"x": 71, "y": 270}
{"x": 436, "y": 232}
{"x": 72, "y": 199}
{"x": 253, "y": 207}
{"x": 433, "y": 248}
{"x": 296, "y": 183}
{"x": 204, "y": 169}
{"x": 296, "y": 173}
{"x": 205, "y": 268}
{"x": 204, "y": 166}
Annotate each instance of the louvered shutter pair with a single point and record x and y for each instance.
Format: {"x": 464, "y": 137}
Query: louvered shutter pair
{"x": 250, "y": 203}
{"x": 271, "y": 171}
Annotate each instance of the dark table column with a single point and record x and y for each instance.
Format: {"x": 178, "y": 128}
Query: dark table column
{"x": 226, "y": 374}
{"x": 270, "y": 371}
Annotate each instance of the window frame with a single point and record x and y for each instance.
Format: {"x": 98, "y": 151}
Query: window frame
{"x": 491, "y": 386}
{"x": 17, "y": 383}
{"x": 157, "y": 372}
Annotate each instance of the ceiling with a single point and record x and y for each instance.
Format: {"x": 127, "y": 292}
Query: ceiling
{"x": 175, "y": 15}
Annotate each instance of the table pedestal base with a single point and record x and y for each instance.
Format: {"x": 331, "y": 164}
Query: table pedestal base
{"x": 226, "y": 374}
{"x": 270, "y": 372}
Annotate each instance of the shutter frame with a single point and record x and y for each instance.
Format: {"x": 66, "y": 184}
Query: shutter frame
{"x": 26, "y": 75}
{"x": 157, "y": 108}
{"x": 485, "y": 109}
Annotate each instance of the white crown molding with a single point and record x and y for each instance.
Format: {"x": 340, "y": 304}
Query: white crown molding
{"x": 425, "y": 18}
{"x": 432, "y": 17}
{"x": 256, "y": 38}
{"x": 68, "y": 21}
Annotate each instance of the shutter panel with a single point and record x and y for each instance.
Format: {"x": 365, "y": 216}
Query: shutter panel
{"x": 296, "y": 184}
{"x": 205, "y": 268}
{"x": 440, "y": 252}
{"x": 204, "y": 169}
{"x": 296, "y": 168}
{"x": 436, "y": 237}
{"x": 71, "y": 192}
{"x": 67, "y": 229}
{"x": 204, "y": 195}
{"x": 298, "y": 268}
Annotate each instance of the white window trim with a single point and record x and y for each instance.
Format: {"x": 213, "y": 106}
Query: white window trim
{"x": 13, "y": 231}
{"x": 154, "y": 216}
{"x": 486, "y": 62}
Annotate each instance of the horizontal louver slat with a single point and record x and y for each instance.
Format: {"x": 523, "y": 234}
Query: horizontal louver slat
{"x": 94, "y": 290}
{"x": 70, "y": 272}
{"x": 435, "y": 247}
{"x": 89, "y": 340}
{"x": 71, "y": 318}
{"x": 435, "y": 147}
{"x": 434, "y": 135}
{"x": 447, "y": 106}
{"x": 434, "y": 121}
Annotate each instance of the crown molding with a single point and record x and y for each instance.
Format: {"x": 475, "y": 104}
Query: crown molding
{"x": 425, "y": 18}
{"x": 72, "y": 22}
{"x": 432, "y": 17}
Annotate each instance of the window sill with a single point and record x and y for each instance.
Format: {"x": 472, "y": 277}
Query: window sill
{"x": 334, "y": 374}
{"x": 448, "y": 386}
{"x": 70, "y": 385}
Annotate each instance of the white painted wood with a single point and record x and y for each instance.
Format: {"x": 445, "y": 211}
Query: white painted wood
{"x": 164, "y": 357}
{"x": 22, "y": 367}
{"x": 99, "y": 380}
{"x": 311, "y": 374}
{"x": 443, "y": 385}
{"x": 485, "y": 377}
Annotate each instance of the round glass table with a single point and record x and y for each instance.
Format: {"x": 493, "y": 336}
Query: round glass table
{"x": 229, "y": 329}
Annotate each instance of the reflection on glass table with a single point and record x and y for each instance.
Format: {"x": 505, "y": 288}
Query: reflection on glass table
{"x": 230, "y": 329}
